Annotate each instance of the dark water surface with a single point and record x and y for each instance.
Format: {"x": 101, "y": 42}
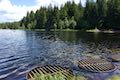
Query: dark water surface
{"x": 21, "y": 51}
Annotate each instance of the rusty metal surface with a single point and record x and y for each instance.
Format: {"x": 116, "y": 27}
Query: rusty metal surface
{"x": 96, "y": 65}
{"x": 49, "y": 69}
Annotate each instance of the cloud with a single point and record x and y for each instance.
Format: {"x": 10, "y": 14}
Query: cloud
{"x": 56, "y": 2}
{"x": 53, "y": 2}
{"x": 10, "y": 12}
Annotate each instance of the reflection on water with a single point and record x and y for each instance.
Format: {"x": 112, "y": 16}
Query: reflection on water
{"x": 22, "y": 50}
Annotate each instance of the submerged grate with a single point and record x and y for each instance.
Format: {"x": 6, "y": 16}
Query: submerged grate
{"x": 115, "y": 57}
{"x": 49, "y": 69}
{"x": 96, "y": 65}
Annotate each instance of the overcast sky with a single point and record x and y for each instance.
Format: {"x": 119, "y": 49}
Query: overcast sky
{"x": 14, "y": 10}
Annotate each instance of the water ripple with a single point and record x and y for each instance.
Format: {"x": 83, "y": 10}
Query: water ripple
{"x": 22, "y": 50}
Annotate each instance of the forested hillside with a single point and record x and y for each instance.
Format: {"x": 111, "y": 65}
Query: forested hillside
{"x": 102, "y": 14}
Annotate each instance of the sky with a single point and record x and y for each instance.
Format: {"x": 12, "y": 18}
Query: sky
{"x": 15, "y": 10}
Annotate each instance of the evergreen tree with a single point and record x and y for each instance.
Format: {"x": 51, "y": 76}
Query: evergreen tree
{"x": 101, "y": 10}
{"x": 63, "y": 13}
{"x": 50, "y": 22}
{"x": 56, "y": 17}
{"x": 102, "y": 14}
{"x": 113, "y": 14}
{"x": 40, "y": 18}
{"x": 28, "y": 20}
{"x": 90, "y": 14}
{"x": 79, "y": 19}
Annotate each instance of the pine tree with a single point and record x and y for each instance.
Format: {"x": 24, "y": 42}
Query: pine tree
{"x": 56, "y": 17}
{"x": 90, "y": 14}
{"x": 113, "y": 14}
{"x": 101, "y": 10}
{"x": 63, "y": 13}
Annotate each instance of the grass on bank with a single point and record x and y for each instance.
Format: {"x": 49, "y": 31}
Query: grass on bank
{"x": 56, "y": 30}
{"x": 93, "y": 30}
{"x": 114, "y": 77}
{"x": 57, "y": 76}
{"x": 97, "y": 30}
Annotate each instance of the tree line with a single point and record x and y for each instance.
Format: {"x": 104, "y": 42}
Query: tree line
{"x": 101, "y": 14}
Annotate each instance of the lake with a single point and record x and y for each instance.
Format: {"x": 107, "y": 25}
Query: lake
{"x": 22, "y": 50}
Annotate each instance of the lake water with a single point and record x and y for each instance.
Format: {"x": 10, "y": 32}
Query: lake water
{"x": 21, "y": 51}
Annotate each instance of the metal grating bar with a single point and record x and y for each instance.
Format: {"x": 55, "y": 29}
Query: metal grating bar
{"x": 65, "y": 73}
{"x": 99, "y": 65}
{"x": 30, "y": 76}
{"x": 39, "y": 71}
{"x": 35, "y": 70}
{"x": 43, "y": 72}
{"x": 53, "y": 68}
{"x": 34, "y": 75}
{"x": 49, "y": 69}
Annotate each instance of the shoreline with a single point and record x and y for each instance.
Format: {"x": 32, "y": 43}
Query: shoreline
{"x": 104, "y": 31}
{"x": 73, "y": 30}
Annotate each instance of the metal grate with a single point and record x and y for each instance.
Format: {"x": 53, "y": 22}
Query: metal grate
{"x": 49, "y": 69}
{"x": 96, "y": 65}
